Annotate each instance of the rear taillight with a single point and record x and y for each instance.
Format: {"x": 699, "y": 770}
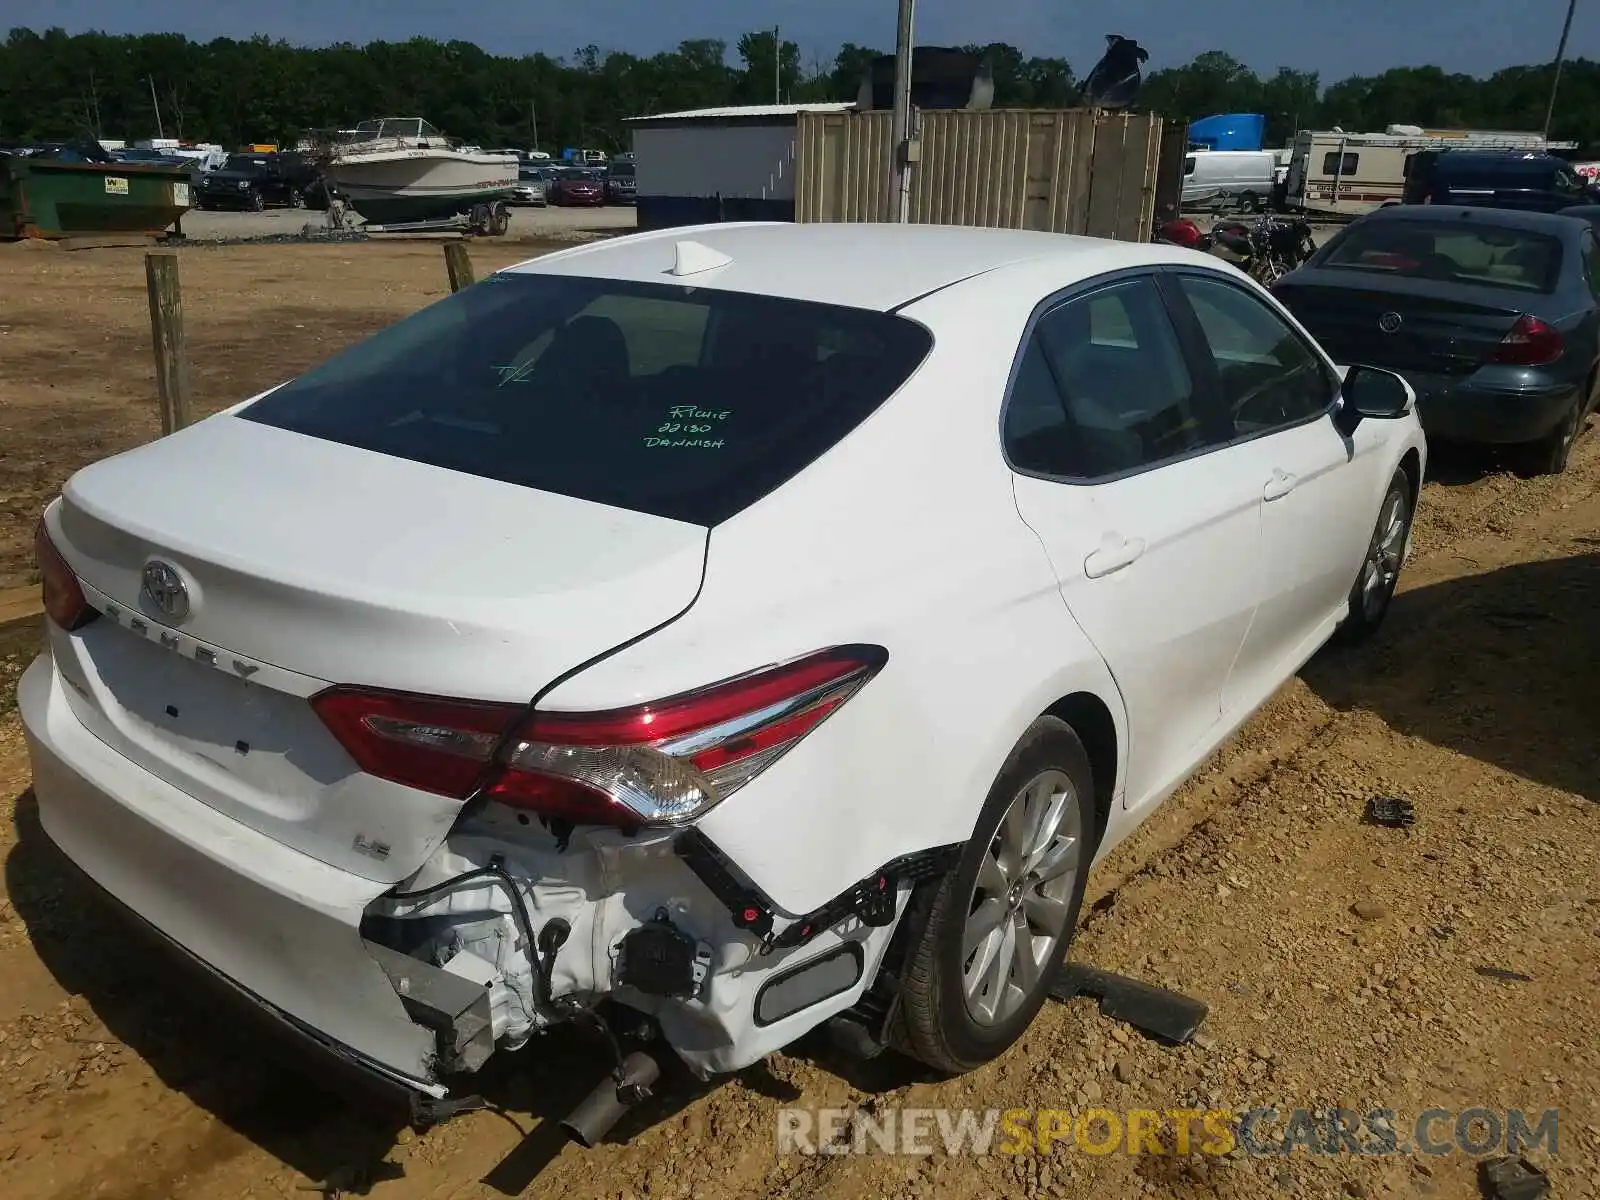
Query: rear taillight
{"x": 1530, "y": 343}
{"x": 662, "y": 763}
{"x": 62, "y": 594}
{"x": 425, "y": 742}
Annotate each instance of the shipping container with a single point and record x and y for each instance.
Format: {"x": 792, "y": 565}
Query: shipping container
{"x": 1067, "y": 171}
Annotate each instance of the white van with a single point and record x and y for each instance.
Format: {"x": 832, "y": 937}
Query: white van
{"x": 1223, "y": 178}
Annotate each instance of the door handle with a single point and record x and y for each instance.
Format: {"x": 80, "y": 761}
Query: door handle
{"x": 1114, "y": 554}
{"x": 1280, "y": 485}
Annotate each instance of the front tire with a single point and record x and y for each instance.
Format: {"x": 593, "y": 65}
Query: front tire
{"x": 991, "y": 937}
{"x": 1373, "y": 590}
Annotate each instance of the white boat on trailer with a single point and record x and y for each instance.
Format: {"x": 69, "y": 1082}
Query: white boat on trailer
{"x": 401, "y": 172}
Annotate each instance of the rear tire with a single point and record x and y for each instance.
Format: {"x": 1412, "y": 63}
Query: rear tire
{"x": 971, "y": 987}
{"x": 1373, "y": 590}
{"x": 1550, "y": 454}
{"x": 1249, "y": 202}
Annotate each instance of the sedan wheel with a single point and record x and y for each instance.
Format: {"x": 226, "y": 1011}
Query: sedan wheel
{"x": 987, "y": 940}
{"x": 1019, "y": 904}
{"x": 1380, "y": 569}
{"x": 1549, "y": 456}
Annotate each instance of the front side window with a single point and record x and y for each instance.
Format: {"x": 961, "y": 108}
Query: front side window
{"x": 1333, "y": 163}
{"x": 1267, "y": 376}
{"x": 685, "y": 402}
{"x": 1102, "y": 388}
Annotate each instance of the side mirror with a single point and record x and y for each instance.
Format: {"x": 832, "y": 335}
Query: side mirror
{"x": 1372, "y": 392}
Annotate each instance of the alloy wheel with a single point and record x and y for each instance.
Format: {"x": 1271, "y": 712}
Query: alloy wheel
{"x": 1385, "y": 554}
{"x": 1022, "y": 898}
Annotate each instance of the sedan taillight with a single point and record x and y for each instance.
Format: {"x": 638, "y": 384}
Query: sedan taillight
{"x": 62, "y": 596}
{"x": 1529, "y": 343}
{"x": 662, "y": 763}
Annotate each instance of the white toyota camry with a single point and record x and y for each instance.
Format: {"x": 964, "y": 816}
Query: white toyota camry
{"x": 733, "y": 629}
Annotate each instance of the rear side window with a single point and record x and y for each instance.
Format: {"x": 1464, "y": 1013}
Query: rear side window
{"x": 1102, "y": 388}
{"x": 1333, "y": 163}
{"x": 683, "y": 402}
{"x": 1457, "y": 251}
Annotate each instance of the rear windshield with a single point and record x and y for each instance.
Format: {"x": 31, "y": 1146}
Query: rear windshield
{"x": 679, "y": 401}
{"x": 1484, "y": 255}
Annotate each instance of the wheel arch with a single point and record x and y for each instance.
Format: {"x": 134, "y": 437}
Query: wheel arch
{"x": 1411, "y": 464}
{"x": 1091, "y": 719}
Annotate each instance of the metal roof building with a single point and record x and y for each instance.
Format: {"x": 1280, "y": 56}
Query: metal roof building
{"x": 735, "y": 163}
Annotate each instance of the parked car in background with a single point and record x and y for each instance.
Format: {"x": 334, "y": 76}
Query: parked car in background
{"x": 1490, "y": 314}
{"x": 622, "y": 184}
{"x": 252, "y": 181}
{"x": 575, "y": 186}
{"x": 1494, "y": 179}
{"x": 531, "y": 187}
{"x": 952, "y": 553}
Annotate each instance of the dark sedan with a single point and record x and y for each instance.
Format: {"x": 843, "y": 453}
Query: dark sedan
{"x": 1491, "y": 315}
{"x": 574, "y": 187}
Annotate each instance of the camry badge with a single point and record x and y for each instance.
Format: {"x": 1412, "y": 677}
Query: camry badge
{"x": 164, "y": 588}
{"x": 1389, "y": 322}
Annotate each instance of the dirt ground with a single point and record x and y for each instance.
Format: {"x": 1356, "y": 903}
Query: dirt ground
{"x": 1342, "y": 962}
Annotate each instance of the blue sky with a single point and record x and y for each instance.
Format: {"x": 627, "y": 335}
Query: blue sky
{"x": 1337, "y": 38}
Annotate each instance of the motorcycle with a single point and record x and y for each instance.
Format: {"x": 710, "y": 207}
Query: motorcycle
{"x": 1264, "y": 249}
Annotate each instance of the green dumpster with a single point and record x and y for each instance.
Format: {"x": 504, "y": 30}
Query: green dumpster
{"x": 47, "y": 198}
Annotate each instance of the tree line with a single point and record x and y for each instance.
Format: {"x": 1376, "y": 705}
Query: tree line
{"x": 59, "y": 85}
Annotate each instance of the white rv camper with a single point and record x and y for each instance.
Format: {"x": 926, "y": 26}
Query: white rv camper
{"x": 1331, "y": 171}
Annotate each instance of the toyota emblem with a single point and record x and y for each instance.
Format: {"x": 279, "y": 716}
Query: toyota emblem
{"x": 1389, "y": 322}
{"x": 164, "y": 588}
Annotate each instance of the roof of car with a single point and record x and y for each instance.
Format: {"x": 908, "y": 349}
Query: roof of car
{"x": 1502, "y": 218}
{"x": 858, "y": 264}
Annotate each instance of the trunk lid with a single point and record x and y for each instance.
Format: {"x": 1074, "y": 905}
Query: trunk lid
{"x": 1446, "y": 328}
{"x": 307, "y": 562}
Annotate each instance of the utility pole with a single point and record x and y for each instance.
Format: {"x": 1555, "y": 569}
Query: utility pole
{"x": 533, "y": 119}
{"x": 160, "y": 132}
{"x": 900, "y": 166}
{"x": 777, "y": 66}
{"x": 1561, "y": 53}
{"x": 94, "y": 100}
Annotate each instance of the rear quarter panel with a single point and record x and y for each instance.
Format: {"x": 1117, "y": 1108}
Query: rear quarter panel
{"x": 906, "y": 534}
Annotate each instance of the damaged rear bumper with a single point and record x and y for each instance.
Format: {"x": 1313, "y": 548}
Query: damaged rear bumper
{"x": 415, "y": 991}
{"x": 280, "y": 928}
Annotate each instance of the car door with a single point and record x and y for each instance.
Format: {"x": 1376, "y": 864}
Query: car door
{"x": 1150, "y": 521}
{"x": 1318, "y": 487}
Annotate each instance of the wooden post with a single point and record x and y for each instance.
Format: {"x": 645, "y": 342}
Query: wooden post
{"x": 459, "y": 263}
{"x": 166, "y": 335}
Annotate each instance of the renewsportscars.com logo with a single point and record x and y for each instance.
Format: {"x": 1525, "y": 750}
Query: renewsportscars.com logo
{"x": 1478, "y": 1132}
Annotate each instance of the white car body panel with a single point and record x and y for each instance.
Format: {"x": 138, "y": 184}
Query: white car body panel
{"x": 317, "y": 564}
{"x": 269, "y": 919}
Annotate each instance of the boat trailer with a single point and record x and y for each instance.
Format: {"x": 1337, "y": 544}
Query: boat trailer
{"x": 482, "y": 220}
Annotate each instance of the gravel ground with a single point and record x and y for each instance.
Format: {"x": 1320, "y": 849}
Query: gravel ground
{"x": 1343, "y": 963}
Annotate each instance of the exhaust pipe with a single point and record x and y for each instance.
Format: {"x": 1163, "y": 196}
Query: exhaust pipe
{"x": 614, "y": 1095}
